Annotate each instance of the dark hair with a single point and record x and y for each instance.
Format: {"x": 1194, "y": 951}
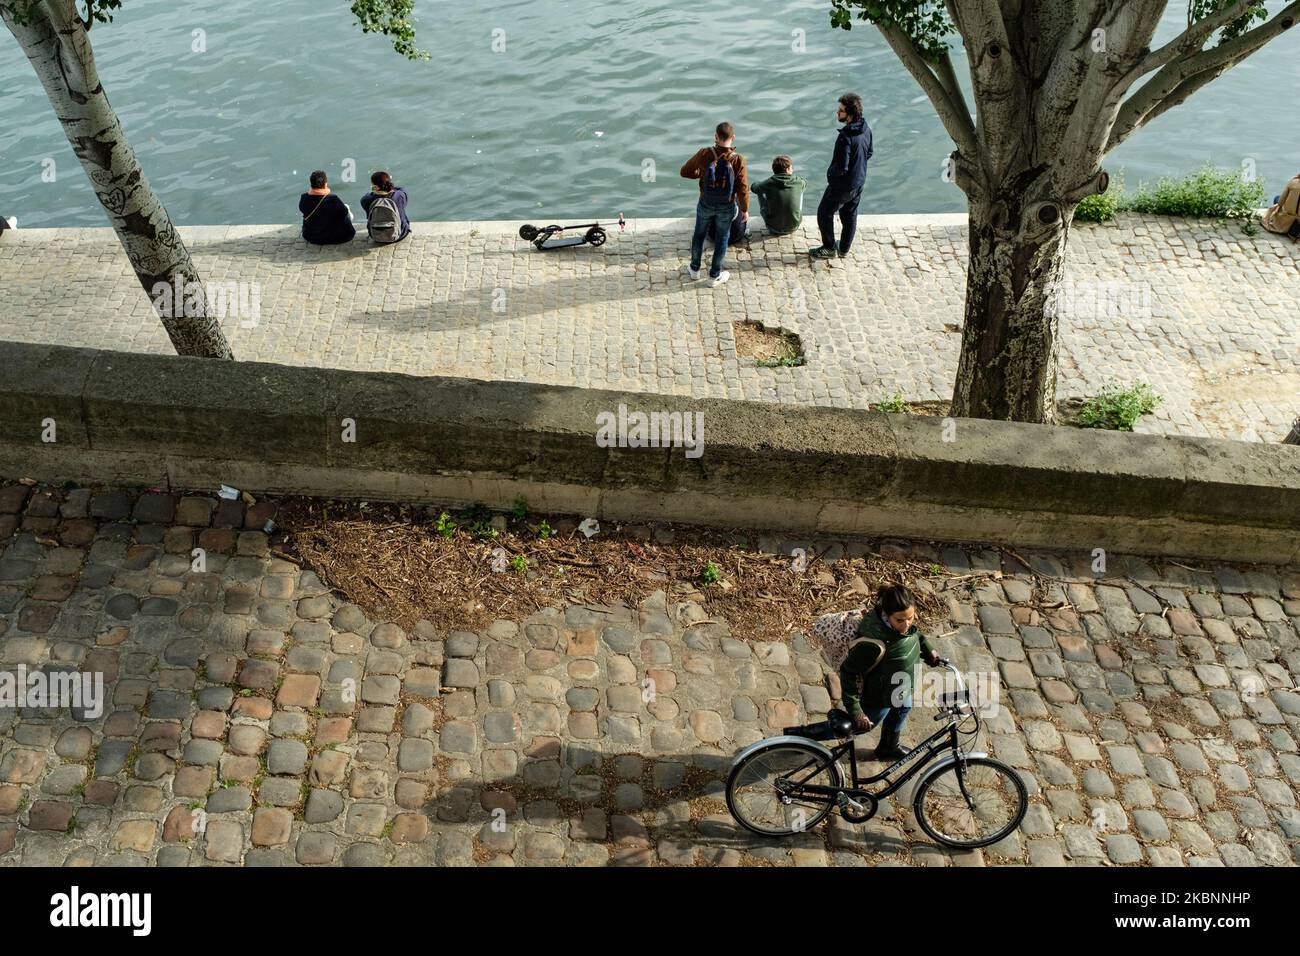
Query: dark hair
{"x": 381, "y": 180}
{"x": 892, "y": 598}
{"x": 852, "y": 104}
{"x": 725, "y": 131}
{"x": 318, "y": 179}
{"x": 782, "y": 164}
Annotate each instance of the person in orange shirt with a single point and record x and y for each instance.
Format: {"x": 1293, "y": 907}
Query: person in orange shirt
{"x": 723, "y": 188}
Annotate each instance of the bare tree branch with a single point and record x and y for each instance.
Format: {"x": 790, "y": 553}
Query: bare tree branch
{"x": 948, "y": 77}
{"x": 1191, "y": 39}
{"x": 956, "y": 119}
{"x": 1179, "y": 79}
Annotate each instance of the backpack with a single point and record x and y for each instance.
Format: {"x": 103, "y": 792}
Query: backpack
{"x": 384, "y": 221}
{"x": 837, "y": 633}
{"x": 719, "y": 180}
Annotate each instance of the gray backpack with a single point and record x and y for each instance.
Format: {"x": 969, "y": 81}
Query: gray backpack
{"x": 384, "y": 221}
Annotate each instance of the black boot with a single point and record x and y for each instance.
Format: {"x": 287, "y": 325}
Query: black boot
{"x": 888, "y": 749}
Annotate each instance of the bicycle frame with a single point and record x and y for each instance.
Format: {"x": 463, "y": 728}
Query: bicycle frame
{"x": 945, "y": 739}
{"x": 928, "y": 750}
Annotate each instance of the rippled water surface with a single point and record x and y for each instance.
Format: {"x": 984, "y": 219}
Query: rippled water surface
{"x": 586, "y": 101}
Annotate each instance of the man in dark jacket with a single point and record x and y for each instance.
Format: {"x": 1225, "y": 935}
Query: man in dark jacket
{"x": 326, "y": 219}
{"x": 845, "y": 178}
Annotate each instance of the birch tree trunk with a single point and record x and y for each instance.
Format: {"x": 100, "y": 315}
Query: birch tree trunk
{"x": 57, "y": 42}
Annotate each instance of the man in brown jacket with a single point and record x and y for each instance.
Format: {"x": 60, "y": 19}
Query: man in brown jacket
{"x": 1284, "y": 217}
{"x": 723, "y": 187}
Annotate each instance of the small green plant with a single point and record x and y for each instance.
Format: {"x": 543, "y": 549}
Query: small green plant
{"x": 520, "y": 510}
{"x": 479, "y": 521}
{"x": 445, "y": 526}
{"x": 892, "y": 403}
{"x": 519, "y": 562}
{"x": 1210, "y": 191}
{"x": 1117, "y": 408}
{"x": 544, "y": 530}
{"x": 785, "y": 361}
{"x": 1102, "y": 207}
{"x": 711, "y": 574}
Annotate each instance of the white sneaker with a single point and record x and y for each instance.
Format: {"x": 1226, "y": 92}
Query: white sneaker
{"x": 723, "y": 276}
{"x": 693, "y": 273}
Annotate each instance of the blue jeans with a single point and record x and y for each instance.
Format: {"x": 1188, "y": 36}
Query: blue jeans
{"x": 719, "y": 219}
{"x": 897, "y": 716}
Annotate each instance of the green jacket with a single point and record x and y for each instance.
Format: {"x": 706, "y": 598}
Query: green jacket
{"x": 866, "y": 687}
{"x": 780, "y": 198}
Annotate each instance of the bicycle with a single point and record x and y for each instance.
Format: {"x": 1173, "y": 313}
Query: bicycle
{"x": 790, "y": 783}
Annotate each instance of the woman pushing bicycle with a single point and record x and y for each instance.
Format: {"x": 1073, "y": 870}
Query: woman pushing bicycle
{"x": 878, "y": 663}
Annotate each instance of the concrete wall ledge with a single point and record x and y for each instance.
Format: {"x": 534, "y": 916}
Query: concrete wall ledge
{"x": 193, "y": 424}
{"x": 460, "y": 228}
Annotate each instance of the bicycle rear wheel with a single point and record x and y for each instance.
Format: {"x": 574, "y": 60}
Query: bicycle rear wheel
{"x": 971, "y": 803}
{"x": 756, "y": 785}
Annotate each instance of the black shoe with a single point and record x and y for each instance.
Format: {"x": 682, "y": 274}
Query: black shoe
{"x": 888, "y": 749}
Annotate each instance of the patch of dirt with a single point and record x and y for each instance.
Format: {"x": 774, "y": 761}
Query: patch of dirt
{"x": 393, "y": 562}
{"x": 768, "y": 345}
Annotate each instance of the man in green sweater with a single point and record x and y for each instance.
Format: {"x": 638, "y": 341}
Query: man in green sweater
{"x": 876, "y": 676}
{"x": 781, "y": 198}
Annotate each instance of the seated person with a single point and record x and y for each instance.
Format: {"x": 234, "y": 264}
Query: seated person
{"x": 385, "y": 206}
{"x": 780, "y": 198}
{"x": 326, "y": 219}
{"x": 739, "y": 230}
{"x": 1284, "y": 216}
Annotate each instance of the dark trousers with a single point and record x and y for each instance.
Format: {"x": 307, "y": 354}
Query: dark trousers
{"x": 845, "y": 203}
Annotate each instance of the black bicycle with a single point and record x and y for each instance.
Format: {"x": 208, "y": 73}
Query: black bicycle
{"x": 964, "y": 799}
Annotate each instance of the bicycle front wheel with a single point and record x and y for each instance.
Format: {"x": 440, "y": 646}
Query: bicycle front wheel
{"x": 764, "y": 790}
{"x": 971, "y": 803}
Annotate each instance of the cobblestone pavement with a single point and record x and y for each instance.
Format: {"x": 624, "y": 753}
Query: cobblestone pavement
{"x": 255, "y": 719}
{"x": 1193, "y": 308}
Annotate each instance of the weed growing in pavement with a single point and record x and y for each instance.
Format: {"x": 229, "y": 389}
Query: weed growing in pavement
{"x": 892, "y": 403}
{"x": 1117, "y": 408}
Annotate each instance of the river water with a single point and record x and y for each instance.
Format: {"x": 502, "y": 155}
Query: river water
{"x": 538, "y": 109}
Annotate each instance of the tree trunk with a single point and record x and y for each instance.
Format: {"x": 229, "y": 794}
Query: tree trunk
{"x": 57, "y": 43}
{"x": 1009, "y": 344}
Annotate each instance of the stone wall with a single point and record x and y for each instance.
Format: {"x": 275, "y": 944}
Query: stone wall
{"x": 190, "y": 424}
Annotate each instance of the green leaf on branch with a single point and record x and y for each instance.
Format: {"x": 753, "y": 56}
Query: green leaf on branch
{"x": 925, "y": 22}
{"x": 1198, "y": 10}
{"x": 392, "y": 19}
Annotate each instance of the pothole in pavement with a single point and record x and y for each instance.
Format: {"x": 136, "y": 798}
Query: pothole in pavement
{"x": 770, "y": 347}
